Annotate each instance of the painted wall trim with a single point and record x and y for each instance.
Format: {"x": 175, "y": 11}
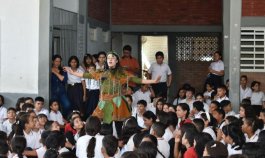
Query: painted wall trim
{"x": 248, "y": 21}
{"x": 11, "y": 98}
{"x": 165, "y": 28}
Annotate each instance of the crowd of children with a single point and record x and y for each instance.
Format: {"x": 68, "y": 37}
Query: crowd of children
{"x": 194, "y": 125}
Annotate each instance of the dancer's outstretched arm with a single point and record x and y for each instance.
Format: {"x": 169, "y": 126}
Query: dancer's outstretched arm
{"x": 69, "y": 70}
{"x": 151, "y": 81}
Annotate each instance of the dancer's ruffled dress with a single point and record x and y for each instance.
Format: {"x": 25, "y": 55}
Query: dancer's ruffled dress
{"x": 112, "y": 106}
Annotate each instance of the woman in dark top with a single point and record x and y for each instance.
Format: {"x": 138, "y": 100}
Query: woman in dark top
{"x": 58, "y": 81}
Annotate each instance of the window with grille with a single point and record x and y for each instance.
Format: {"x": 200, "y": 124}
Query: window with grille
{"x": 196, "y": 48}
{"x": 252, "y": 49}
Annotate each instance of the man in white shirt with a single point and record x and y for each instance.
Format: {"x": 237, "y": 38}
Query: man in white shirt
{"x": 160, "y": 69}
{"x": 38, "y": 106}
{"x": 245, "y": 91}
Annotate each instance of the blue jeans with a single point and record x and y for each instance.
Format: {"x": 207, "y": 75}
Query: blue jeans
{"x": 66, "y": 107}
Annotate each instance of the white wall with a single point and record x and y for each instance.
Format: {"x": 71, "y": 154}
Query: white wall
{"x": 69, "y": 5}
{"x": 94, "y": 46}
{"x": 19, "y": 44}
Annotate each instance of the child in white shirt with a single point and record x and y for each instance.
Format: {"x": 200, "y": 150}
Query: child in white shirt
{"x": 227, "y": 107}
{"x": 38, "y": 106}
{"x": 257, "y": 97}
{"x": 55, "y": 114}
{"x": 208, "y": 93}
{"x": 11, "y": 119}
{"x": 221, "y": 93}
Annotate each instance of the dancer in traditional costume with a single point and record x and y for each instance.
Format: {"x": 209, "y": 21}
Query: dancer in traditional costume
{"x": 112, "y": 105}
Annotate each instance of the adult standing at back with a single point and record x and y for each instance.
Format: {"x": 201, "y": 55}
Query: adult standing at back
{"x": 129, "y": 63}
{"x": 216, "y": 71}
{"x": 159, "y": 68}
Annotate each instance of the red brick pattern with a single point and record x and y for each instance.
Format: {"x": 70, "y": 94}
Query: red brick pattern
{"x": 99, "y": 10}
{"x": 166, "y": 12}
{"x": 192, "y": 72}
{"x": 253, "y": 8}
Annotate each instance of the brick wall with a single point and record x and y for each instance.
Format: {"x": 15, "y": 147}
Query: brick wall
{"x": 258, "y": 76}
{"x": 166, "y": 12}
{"x": 253, "y": 8}
{"x": 193, "y": 73}
{"x": 99, "y": 10}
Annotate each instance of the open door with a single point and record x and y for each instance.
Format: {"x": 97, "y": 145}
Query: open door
{"x": 149, "y": 46}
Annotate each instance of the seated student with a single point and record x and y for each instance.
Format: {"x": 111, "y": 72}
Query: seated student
{"x": 219, "y": 115}
{"x": 215, "y": 149}
{"x": 252, "y": 127}
{"x": 166, "y": 107}
{"x": 53, "y": 145}
{"x": 55, "y": 114}
{"x": 189, "y": 97}
{"x": 148, "y": 149}
{"x": 129, "y": 129}
{"x": 187, "y": 141}
{"x": 27, "y": 107}
{"x": 152, "y": 139}
{"x": 180, "y": 96}
{"x": 164, "y": 118}
{"x": 18, "y": 145}
{"x": 183, "y": 112}
{"x": 149, "y": 120}
{"x": 221, "y": 93}
{"x": 41, "y": 151}
{"x": 3, "y": 149}
{"x": 11, "y": 119}
{"x": 234, "y": 138}
{"x": 3, "y": 111}
{"x": 158, "y": 130}
{"x": 246, "y": 110}
{"x": 109, "y": 146}
{"x": 42, "y": 119}
{"x": 245, "y": 91}
{"x": 200, "y": 141}
{"x": 207, "y": 94}
{"x": 52, "y": 126}
{"x": 209, "y": 124}
{"x": 29, "y": 100}
{"x": 262, "y": 117}
{"x": 79, "y": 126}
{"x": 197, "y": 109}
{"x": 227, "y": 107}
{"x": 24, "y": 127}
{"x": 141, "y": 108}
{"x": 38, "y": 106}
{"x": 254, "y": 150}
{"x": 90, "y": 144}
{"x": 213, "y": 106}
{"x": 199, "y": 97}
{"x": 199, "y": 124}
{"x": 68, "y": 127}
{"x": 257, "y": 97}
{"x": 144, "y": 93}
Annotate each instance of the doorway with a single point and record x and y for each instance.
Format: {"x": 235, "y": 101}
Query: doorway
{"x": 149, "y": 46}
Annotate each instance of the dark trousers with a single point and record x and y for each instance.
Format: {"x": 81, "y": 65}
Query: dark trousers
{"x": 215, "y": 80}
{"x": 92, "y": 101}
{"x": 160, "y": 89}
{"x": 75, "y": 95}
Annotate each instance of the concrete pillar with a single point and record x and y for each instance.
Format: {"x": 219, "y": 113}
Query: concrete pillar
{"x": 82, "y": 29}
{"x": 45, "y": 49}
{"x": 232, "y": 12}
